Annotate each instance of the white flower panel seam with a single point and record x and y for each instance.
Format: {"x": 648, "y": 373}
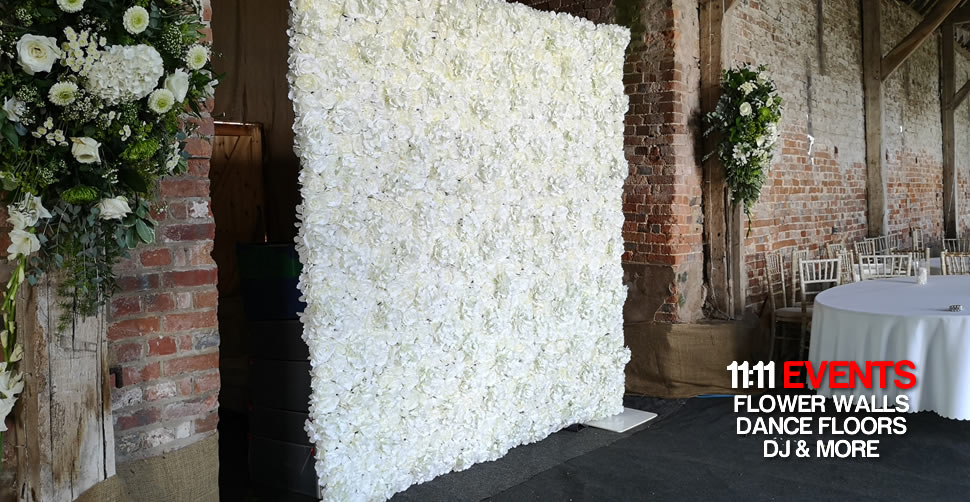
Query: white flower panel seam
{"x": 462, "y": 175}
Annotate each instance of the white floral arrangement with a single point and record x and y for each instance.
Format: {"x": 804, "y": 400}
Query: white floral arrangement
{"x": 95, "y": 95}
{"x": 462, "y": 176}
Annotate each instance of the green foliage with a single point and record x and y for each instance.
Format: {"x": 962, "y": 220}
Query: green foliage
{"x": 745, "y": 122}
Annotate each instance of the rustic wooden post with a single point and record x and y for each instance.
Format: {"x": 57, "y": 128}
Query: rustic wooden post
{"x": 64, "y": 430}
{"x": 724, "y": 225}
{"x": 875, "y": 70}
{"x": 947, "y": 101}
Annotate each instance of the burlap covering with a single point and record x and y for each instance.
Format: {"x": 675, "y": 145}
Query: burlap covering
{"x": 190, "y": 474}
{"x": 686, "y": 360}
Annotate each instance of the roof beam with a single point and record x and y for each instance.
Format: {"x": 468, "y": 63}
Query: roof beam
{"x": 961, "y": 15}
{"x": 960, "y": 95}
{"x": 934, "y": 18}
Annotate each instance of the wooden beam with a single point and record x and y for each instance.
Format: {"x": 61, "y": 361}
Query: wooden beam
{"x": 878, "y": 216}
{"x": 948, "y": 84}
{"x": 934, "y": 18}
{"x": 960, "y": 95}
{"x": 723, "y": 256}
{"x": 960, "y": 16}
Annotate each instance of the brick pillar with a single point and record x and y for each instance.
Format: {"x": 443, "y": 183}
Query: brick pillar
{"x": 162, "y": 327}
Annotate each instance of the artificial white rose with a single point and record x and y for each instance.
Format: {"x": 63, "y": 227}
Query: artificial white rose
{"x": 37, "y": 53}
{"x": 745, "y": 109}
{"x": 14, "y": 109}
{"x": 178, "y": 84}
{"x": 85, "y": 150}
{"x": 114, "y": 208}
{"x": 22, "y": 243}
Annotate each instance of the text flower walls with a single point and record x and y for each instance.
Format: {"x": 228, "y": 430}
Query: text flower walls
{"x": 461, "y": 231}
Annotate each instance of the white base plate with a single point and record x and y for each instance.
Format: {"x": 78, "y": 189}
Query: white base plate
{"x": 623, "y": 422}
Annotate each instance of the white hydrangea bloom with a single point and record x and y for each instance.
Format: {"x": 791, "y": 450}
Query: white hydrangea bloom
{"x": 125, "y": 73}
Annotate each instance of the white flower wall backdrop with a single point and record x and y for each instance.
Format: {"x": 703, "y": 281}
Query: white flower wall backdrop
{"x": 461, "y": 231}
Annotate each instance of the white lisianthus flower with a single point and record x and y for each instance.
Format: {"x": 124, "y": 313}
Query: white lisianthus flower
{"x": 37, "y": 53}
{"x": 22, "y": 243}
{"x": 747, "y": 88}
{"x": 14, "y": 109}
{"x": 114, "y": 208}
{"x": 70, "y": 5}
{"x": 178, "y": 84}
{"x": 85, "y": 150}
{"x": 745, "y": 109}
{"x": 136, "y": 20}
{"x": 197, "y": 57}
{"x": 63, "y": 93}
{"x": 161, "y": 101}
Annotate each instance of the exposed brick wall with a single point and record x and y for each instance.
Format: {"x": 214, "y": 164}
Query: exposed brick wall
{"x": 662, "y": 195}
{"x": 816, "y": 191}
{"x": 162, "y": 326}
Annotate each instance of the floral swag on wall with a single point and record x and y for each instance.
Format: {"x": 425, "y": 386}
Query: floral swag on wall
{"x": 461, "y": 237}
{"x": 746, "y": 123}
{"x": 93, "y": 95}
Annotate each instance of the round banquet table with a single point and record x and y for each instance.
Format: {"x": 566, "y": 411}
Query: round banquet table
{"x": 896, "y": 319}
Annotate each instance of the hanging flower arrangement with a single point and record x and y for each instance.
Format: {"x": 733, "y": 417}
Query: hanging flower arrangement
{"x": 746, "y": 123}
{"x": 93, "y": 96}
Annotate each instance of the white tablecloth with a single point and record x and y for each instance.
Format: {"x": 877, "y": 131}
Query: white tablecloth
{"x": 896, "y": 319}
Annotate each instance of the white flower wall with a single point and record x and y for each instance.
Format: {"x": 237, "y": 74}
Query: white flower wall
{"x": 461, "y": 231}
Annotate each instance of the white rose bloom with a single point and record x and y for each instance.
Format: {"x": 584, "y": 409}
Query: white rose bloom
{"x": 70, "y": 5}
{"x": 37, "y": 53}
{"x": 63, "y": 93}
{"x": 85, "y": 150}
{"x": 178, "y": 84}
{"x": 161, "y": 101}
{"x": 14, "y": 109}
{"x": 22, "y": 243}
{"x": 136, "y": 20}
{"x": 125, "y": 73}
{"x": 197, "y": 57}
{"x": 745, "y": 109}
{"x": 115, "y": 208}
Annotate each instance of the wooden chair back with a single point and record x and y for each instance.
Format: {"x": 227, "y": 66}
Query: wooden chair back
{"x": 866, "y": 247}
{"x": 847, "y": 261}
{"x": 834, "y": 249}
{"x": 917, "y": 237}
{"x": 797, "y": 255}
{"x": 956, "y": 245}
{"x": 884, "y": 266}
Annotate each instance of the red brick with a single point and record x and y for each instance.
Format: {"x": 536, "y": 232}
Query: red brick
{"x": 134, "y": 375}
{"x": 205, "y": 299}
{"x": 133, "y": 327}
{"x": 127, "y": 352}
{"x": 185, "y": 343}
{"x": 198, "y": 167}
{"x": 206, "y": 424}
{"x": 191, "y": 364}
{"x": 197, "y": 232}
{"x": 181, "y": 187}
{"x": 206, "y": 383}
{"x": 162, "y": 302}
{"x": 156, "y": 257}
{"x": 140, "y": 282}
{"x": 161, "y": 346}
{"x": 191, "y": 407}
{"x": 190, "y": 278}
{"x": 191, "y": 320}
{"x": 139, "y": 418}
{"x": 161, "y": 390}
{"x": 125, "y": 306}
{"x": 198, "y": 147}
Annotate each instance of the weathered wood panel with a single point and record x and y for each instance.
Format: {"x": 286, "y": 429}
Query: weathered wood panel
{"x": 64, "y": 429}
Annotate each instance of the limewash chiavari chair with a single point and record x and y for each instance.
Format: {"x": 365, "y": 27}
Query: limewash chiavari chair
{"x": 892, "y": 243}
{"x": 797, "y": 255}
{"x": 847, "y": 262}
{"x": 955, "y": 263}
{"x": 815, "y": 276}
{"x": 880, "y": 244}
{"x": 781, "y": 310}
{"x": 885, "y": 266}
{"x": 956, "y": 245}
{"x": 917, "y": 238}
{"x": 834, "y": 249}
{"x": 866, "y": 247}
